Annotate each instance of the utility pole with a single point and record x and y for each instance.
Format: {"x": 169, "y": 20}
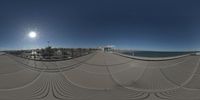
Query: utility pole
{"x": 48, "y": 43}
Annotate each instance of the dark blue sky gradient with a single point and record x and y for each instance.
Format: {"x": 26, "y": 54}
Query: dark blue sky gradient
{"x": 137, "y": 24}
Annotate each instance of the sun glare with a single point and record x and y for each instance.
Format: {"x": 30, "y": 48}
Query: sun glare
{"x": 32, "y": 34}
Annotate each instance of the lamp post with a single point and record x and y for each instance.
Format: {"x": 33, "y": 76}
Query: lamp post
{"x": 48, "y": 42}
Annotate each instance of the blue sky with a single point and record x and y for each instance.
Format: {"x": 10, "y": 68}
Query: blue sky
{"x": 137, "y": 24}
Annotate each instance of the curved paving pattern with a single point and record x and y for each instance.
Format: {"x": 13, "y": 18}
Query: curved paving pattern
{"x": 100, "y": 76}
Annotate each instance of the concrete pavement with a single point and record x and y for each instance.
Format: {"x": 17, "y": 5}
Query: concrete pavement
{"x": 100, "y": 76}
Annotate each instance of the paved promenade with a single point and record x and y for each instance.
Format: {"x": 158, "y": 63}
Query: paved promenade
{"x": 100, "y": 76}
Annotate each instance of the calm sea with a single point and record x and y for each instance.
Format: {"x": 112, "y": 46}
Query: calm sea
{"x": 154, "y": 53}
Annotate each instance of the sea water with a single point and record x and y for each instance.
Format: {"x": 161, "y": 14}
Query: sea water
{"x": 154, "y": 53}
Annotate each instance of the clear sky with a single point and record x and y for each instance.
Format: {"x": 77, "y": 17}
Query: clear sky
{"x": 136, "y": 24}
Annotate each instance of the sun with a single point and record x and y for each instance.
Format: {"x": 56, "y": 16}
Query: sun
{"x": 32, "y": 34}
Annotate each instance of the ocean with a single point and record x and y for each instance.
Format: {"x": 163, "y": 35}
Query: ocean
{"x": 154, "y": 53}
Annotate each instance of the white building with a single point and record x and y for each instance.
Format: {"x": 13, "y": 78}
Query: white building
{"x": 58, "y": 53}
{"x": 108, "y": 48}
